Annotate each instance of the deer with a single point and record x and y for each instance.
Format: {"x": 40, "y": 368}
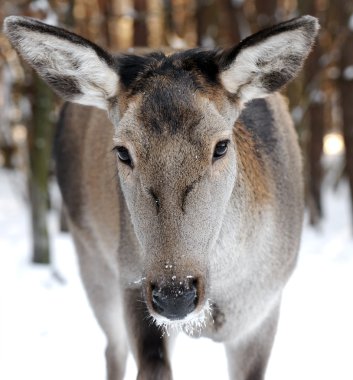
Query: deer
{"x": 181, "y": 175}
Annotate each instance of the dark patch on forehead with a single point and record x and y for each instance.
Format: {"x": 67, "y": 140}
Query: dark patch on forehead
{"x": 168, "y": 85}
{"x": 169, "y": 107}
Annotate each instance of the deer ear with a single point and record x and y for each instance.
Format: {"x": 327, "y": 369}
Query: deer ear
{"x": 267, "y": 60}
{"x": 78, "y": 70}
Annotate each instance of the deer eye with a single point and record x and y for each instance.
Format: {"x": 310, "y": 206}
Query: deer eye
{"x": 220, "y": 149}
{"x": 124, "y": 155}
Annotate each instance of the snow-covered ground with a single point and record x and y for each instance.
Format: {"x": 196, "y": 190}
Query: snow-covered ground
{"x": 47, "y": 330}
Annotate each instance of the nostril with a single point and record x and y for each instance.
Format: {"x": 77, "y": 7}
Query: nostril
{"x": 157, "y": 299}
{"x": 152, "y": 286}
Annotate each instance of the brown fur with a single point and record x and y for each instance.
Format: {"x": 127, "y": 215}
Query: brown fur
{"x": 251, "y": 165}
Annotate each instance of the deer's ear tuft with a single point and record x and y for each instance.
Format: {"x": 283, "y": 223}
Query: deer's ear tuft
{"x": 267, "y": 60}
{"x": 77, "y": 69}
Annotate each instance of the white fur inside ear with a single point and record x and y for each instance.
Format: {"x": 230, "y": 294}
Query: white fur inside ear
{"x": 245, "y": 73}
{"x": 55, "y": 56}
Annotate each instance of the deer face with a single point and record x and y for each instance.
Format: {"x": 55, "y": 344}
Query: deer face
{"x": 177, "y": 164}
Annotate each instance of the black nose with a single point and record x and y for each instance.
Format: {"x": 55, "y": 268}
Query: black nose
{"x": 176, "y": 300}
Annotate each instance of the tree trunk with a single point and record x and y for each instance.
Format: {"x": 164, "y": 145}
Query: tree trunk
{"x": 316, "y": 112}
{"x": 317, "y": 122}
{"x": 106, "y": 11}
{"x": 140, "y": 25}
{"x": 207, "y": 23}
{"x": 235, "y": 25}
{"x": 315, "y": 150}
{"x": 201, "y": 25}
{"x": 346, "y": 87}
{"x": 40, "y": 142}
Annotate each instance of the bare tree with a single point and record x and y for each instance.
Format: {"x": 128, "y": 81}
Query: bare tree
{"x": 235, "y": 25}
{"x": 316, "y": 125}
{"x": 345, "y": 22}
{"x": 39, "y": 147}
{"x": 140, "y": 25}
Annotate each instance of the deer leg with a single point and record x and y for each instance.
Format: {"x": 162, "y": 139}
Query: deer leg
{"x": 148, "y": 343}
{"x": 103, "y": 291}
{"x": 248, "y": 357}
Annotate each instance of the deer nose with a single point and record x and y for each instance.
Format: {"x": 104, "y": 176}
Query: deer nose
{"x": 175, "y": 301}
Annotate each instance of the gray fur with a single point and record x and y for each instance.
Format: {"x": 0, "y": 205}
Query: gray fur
{"x": 217, "y": 236}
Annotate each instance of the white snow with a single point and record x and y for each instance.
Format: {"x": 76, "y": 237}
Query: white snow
{"x": 44, "y": 6}
{"x": 47, "y": 330}
{"x": 350, "y": 22}
{"x": 297, "y": 114}
{"x": 237, "y": 3}
{"x": 317, "y": 96}
{"x": 348, "y": 73}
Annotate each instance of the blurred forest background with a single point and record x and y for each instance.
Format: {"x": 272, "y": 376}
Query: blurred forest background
{"x": 321, "y": 99}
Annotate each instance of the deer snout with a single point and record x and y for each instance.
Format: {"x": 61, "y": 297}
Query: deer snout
{"x": 175, "y": 300}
